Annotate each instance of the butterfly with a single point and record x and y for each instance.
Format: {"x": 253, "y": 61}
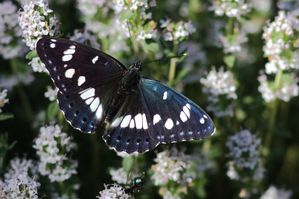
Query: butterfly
{"x": 94, "y": 88}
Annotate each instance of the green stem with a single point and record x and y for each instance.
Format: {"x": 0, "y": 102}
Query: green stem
{"x": 274, "y": 108}
{"x": 172, "y": 69}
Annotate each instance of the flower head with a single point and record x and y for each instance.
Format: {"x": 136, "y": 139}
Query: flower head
{"x": 273, "y": 193}
{"x": 113, "y": 191}
{"x": 234, "y": 8}
{"x": 53, "y": 147}
{"x": 51, "y": 93}
{"x": 20, "y": 180}
{"x": 244, "y": 149}
{"x": 37, "y": 20}
{"x": 169, "y": 166}
{"x": 219, "y": 83}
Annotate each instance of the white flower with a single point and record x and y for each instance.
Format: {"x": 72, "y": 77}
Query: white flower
{"x": 288, "y": 88}
{"x": 10, "y": 44}
{"x": 244, "y": 149}
{"x": 51, "y": 93}
{"x": 234, "y": 8}
{"x": 219, "y": 83}
{"x": 119, "y": 175}
{"x": 169, "y": 166}
{"x": 142, "y": 35}
{"x": 233, "y": 44}
{"x": 20, "y": 182}
{"x": 274, "y": 193}
{"x": 37, "y": 65}
{"x": 90, "y": 7}
{"x": 267, "y": 93}
{"x": 275, "y": 33}
{"x": 37, "y": 20}
{"x": 3, "y": 99}
{"x": 53, "y": 147}
{"x": 177, "y": 31}
{"x": 113, "y": 191}
{"x": 133, "y": 5}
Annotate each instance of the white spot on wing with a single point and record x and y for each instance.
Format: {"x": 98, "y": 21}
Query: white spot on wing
{"x": 202, "y": 120}
{"x": 188, "y": 106}
{"x": 116, "y": 122}
{"x": 156, "y": 119}
{"x": 177, "y": 123}
{"x": 168, "y": 124}
{"x": 88, "y": 101}
{"x": 183, "y": 116}
{"x": 52, "y": 45}
{"x": 54, "y": 40}
{"x": 132, "y": 123}
{"x": 72, "y": 47}
{"x": 65, "y": 65}
{"x": 69, "y": 51}
{"x": 144, "y": 122}
{"x": 205, "y": 116}
{"x": 87, "y": 93}
{"x": 81, "y": 80}
{"x": 67, "y": 57}
{"x": 69, "y": 73}
{"x": 94, "y": 105}
{"x": 138, "y": 121}
{"x": 165, "y": 95}
{"x": 126, "y": 121}
{"x": 187, "y": 111}
{"x": 95, "y": 59}
{"x": 99, "y": 112}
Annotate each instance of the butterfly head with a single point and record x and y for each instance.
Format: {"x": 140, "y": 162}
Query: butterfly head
{"x": 136, "y": 66}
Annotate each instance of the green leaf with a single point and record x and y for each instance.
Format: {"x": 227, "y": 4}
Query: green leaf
{"x": 229, "y": 60}
{"x": 6, "y": 116}
{"x": 128, "y": 163}
{"x": 31, "y": 54}
{"x": 53, "y": 110}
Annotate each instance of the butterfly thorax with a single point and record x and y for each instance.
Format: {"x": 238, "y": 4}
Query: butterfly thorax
{"x": 128, "y": 85}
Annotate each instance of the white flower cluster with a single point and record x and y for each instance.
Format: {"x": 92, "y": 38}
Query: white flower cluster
{"x": 288, "y": 89}
{"x": 244, "y": 149}
{"x": 132, "y": 5}
{"x": 219, "y": 84}
{"x": 37, "y": 20}
{"x": 3, "y": 99}
{"x": 170, "y": 166}
{"x": 278, "y": 36}
{"x": 20, "y": 180}
{"x": 37, "y": 65}
{"x": 232, "y": 43}
{"x": 273, "y": 193}
{"x": 176, "y": 31}
{"x": 53, "y": 148}
{"x": 90, "y": 7}
{"x": 51, "y": 93}
{"x": 10, "y": 44}
{"x": 232, "y": 8}
{"x": 119, "y": 175}
{"x": 166, "y": 194}
{"x": 113, "y": 191}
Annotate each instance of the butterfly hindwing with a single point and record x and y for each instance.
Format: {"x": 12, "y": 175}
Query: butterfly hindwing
{"x": 86, "y": 79}
{"x": 156, "y": 114}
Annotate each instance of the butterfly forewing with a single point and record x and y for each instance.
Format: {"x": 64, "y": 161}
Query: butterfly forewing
{"x": 156, "y": 114}
{"x": 86, "y": 79}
